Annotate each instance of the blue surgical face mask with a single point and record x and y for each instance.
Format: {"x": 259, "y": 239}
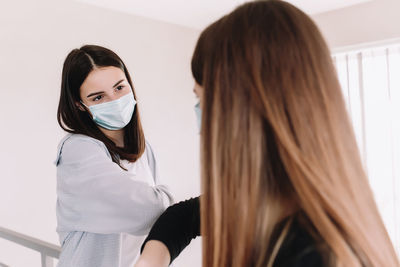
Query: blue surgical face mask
{"x": 197, "y": 109}
{"x": 114, "y": 115}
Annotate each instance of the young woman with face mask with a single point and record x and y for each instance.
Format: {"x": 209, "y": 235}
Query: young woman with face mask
{"x": 108, "y": 191}
{"x": 282, "y": 180}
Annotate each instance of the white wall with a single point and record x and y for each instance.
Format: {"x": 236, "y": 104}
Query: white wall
{"x": 35, "y": 37}
{"x": 371, "y": 22}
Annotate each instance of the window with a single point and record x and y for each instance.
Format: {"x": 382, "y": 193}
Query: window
{"x": 370, "y": 82}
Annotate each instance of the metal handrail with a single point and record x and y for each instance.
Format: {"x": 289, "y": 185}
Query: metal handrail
{"x": 47, "y": 250}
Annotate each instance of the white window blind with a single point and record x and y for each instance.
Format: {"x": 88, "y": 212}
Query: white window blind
{"x": 370, "y": 81}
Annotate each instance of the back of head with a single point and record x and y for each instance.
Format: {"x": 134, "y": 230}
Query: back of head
{"x": 277, "y": 140}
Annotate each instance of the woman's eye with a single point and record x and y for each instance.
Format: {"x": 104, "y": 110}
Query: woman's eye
{"x": 120, "y": 87}
{"x": 97, "y": 98}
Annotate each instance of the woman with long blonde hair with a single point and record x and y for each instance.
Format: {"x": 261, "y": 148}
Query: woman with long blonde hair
{"x": 282, "y": 179}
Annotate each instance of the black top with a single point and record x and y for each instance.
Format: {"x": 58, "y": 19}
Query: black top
{"x": 180, "y": 223}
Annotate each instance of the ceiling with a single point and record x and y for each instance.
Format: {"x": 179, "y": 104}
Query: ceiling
{"x": 199, "y": 13}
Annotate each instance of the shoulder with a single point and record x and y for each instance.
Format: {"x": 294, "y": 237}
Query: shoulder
{"x": 79, "y": 144}
{"x": 80, "y": 138}
{"x": 148, "y": 146}
{"x": 149, "y": 152}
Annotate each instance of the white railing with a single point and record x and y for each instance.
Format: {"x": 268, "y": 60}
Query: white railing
{"x": 47, "y": 250}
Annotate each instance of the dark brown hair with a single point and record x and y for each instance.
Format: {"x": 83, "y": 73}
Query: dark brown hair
{"x": 276, "y": 142}
{"x": 77, "y": 66}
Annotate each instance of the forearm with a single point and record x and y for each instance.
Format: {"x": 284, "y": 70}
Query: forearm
{"x": 177, "y": 226}
{"x": 154, "y": 254}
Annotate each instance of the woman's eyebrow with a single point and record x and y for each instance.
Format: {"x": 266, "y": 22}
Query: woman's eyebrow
{"x": 118, "y": 82}
{"x": 96, "y": 93}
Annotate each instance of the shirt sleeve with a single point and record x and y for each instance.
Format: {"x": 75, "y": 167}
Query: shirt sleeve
{"x": 177, "y": 226}
{"x": 96, "y": 195}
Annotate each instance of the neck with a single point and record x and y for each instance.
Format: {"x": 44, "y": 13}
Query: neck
{"x": 116, "y": 136}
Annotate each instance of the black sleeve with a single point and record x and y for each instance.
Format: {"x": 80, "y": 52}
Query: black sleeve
{"x": 177, "y": 226}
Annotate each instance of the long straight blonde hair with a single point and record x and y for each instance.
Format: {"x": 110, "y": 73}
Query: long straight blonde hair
{"x": 276, "y": 140}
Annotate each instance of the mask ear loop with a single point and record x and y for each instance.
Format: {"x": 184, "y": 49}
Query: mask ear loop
{"x": 87, "y": 109}
{"x": 84, "y": 104}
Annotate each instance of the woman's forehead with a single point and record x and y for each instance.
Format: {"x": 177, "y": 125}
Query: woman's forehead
{"x": 104, "y": 78}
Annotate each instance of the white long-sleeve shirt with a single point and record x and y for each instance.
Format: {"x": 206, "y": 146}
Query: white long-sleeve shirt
{"x": 103, "y": 211}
